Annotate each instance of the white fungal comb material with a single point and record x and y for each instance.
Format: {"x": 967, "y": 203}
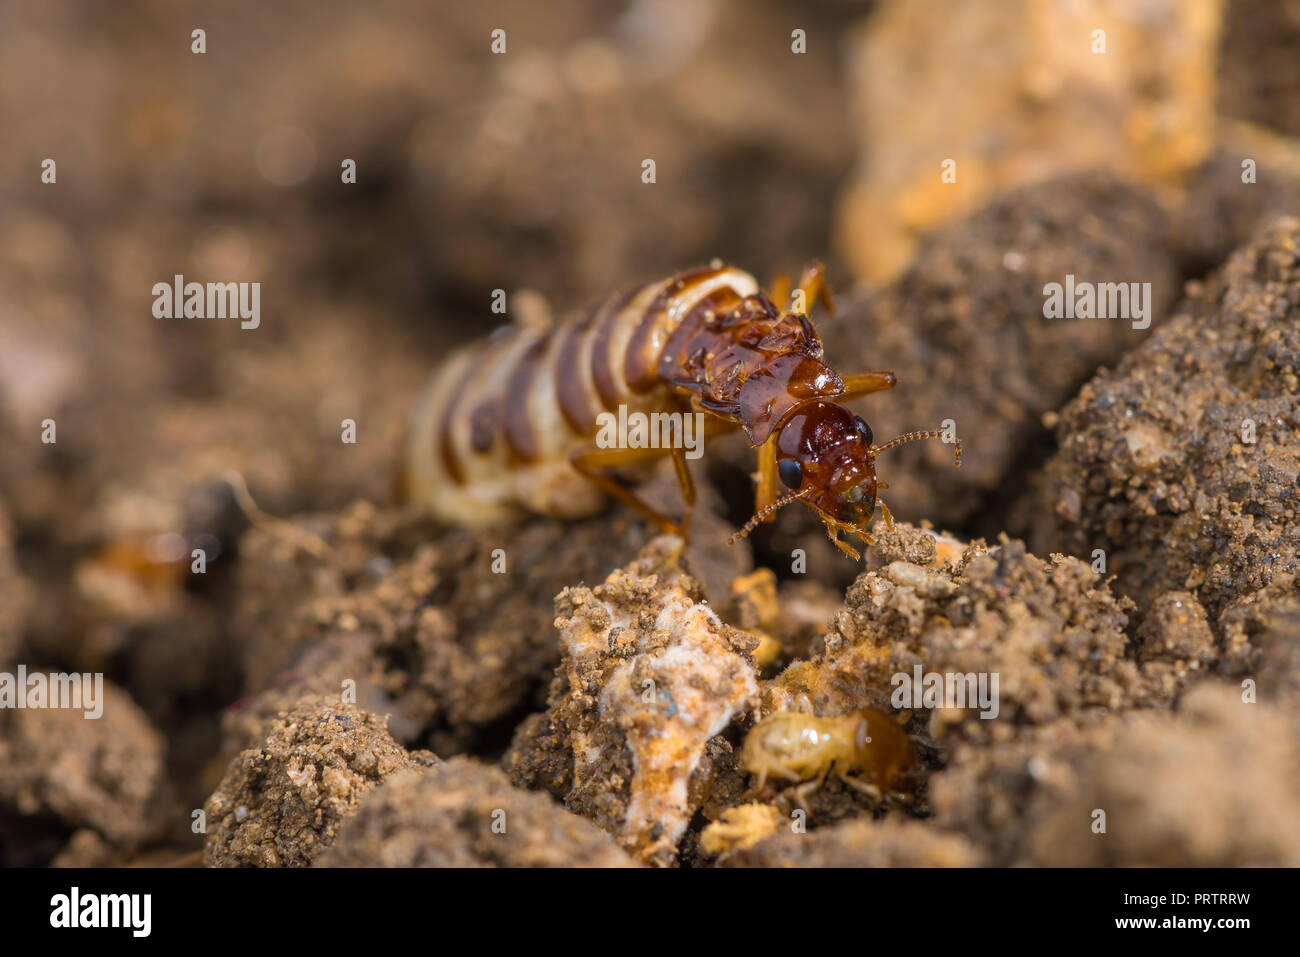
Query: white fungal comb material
{"x": 675, "y": 681}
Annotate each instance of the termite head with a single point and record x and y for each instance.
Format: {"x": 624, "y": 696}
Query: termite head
{"x": 825, "y": 456}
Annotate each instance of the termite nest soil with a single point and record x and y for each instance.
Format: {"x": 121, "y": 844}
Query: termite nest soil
{"x": 464, "y": 813}
{"x": 80, "y": 792}
{"x": 284, "y": 800}
{"x": 1181, "y": 464}
{"x": 593, "y": 687}
{"x": 346, "y": 684}
{"x": 655, "y": 691}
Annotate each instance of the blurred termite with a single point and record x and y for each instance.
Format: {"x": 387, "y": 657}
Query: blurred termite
{"x": 141, "y": 576}
{"x": 866, "y": 750}
{"x": 508, "y": 425}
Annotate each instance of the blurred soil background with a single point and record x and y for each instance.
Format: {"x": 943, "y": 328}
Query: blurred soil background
{"x": 522, "y": 171}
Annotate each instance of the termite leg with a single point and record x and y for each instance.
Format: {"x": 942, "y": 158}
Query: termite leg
{"x": 803, "y": 791}
{"x": 715, "y": 425}
{"x": 924, "y": 744}
{"x": 765, "y": 493}
{"x": 846, "y": 548}
{"x": 532, "y": 311}
{"x": 862, "y": 787}
{"x": 687, "y": 485}
{"x": 864, "y": 383}
{"x": 781, "y": 291}
{"x": 835, "y": 524}
{"x": 888, "y": 515}
{"x": 588, "y": 463}
{"x": 684, "y": 479}
{"x": 813, "y": 286}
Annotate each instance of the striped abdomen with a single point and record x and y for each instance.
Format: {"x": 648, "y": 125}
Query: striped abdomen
{"x": 494, "y": 433}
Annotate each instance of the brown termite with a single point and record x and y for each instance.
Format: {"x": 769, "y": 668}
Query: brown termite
{"x": 867, "y": 750}
{"x": 507, "y": 426}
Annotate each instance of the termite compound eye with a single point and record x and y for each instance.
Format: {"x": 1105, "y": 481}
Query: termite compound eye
{"x": 865, "y": 430}
{"x": 790, "y": 472}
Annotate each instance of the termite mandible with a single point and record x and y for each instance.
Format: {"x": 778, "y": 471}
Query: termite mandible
{"x": 507, "y": 425}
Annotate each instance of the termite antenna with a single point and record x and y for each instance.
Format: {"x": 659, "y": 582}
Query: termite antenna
{"x": 913, "y": 436}
{"x": 298, "y": 536}
{"x": 757, "y": 518}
